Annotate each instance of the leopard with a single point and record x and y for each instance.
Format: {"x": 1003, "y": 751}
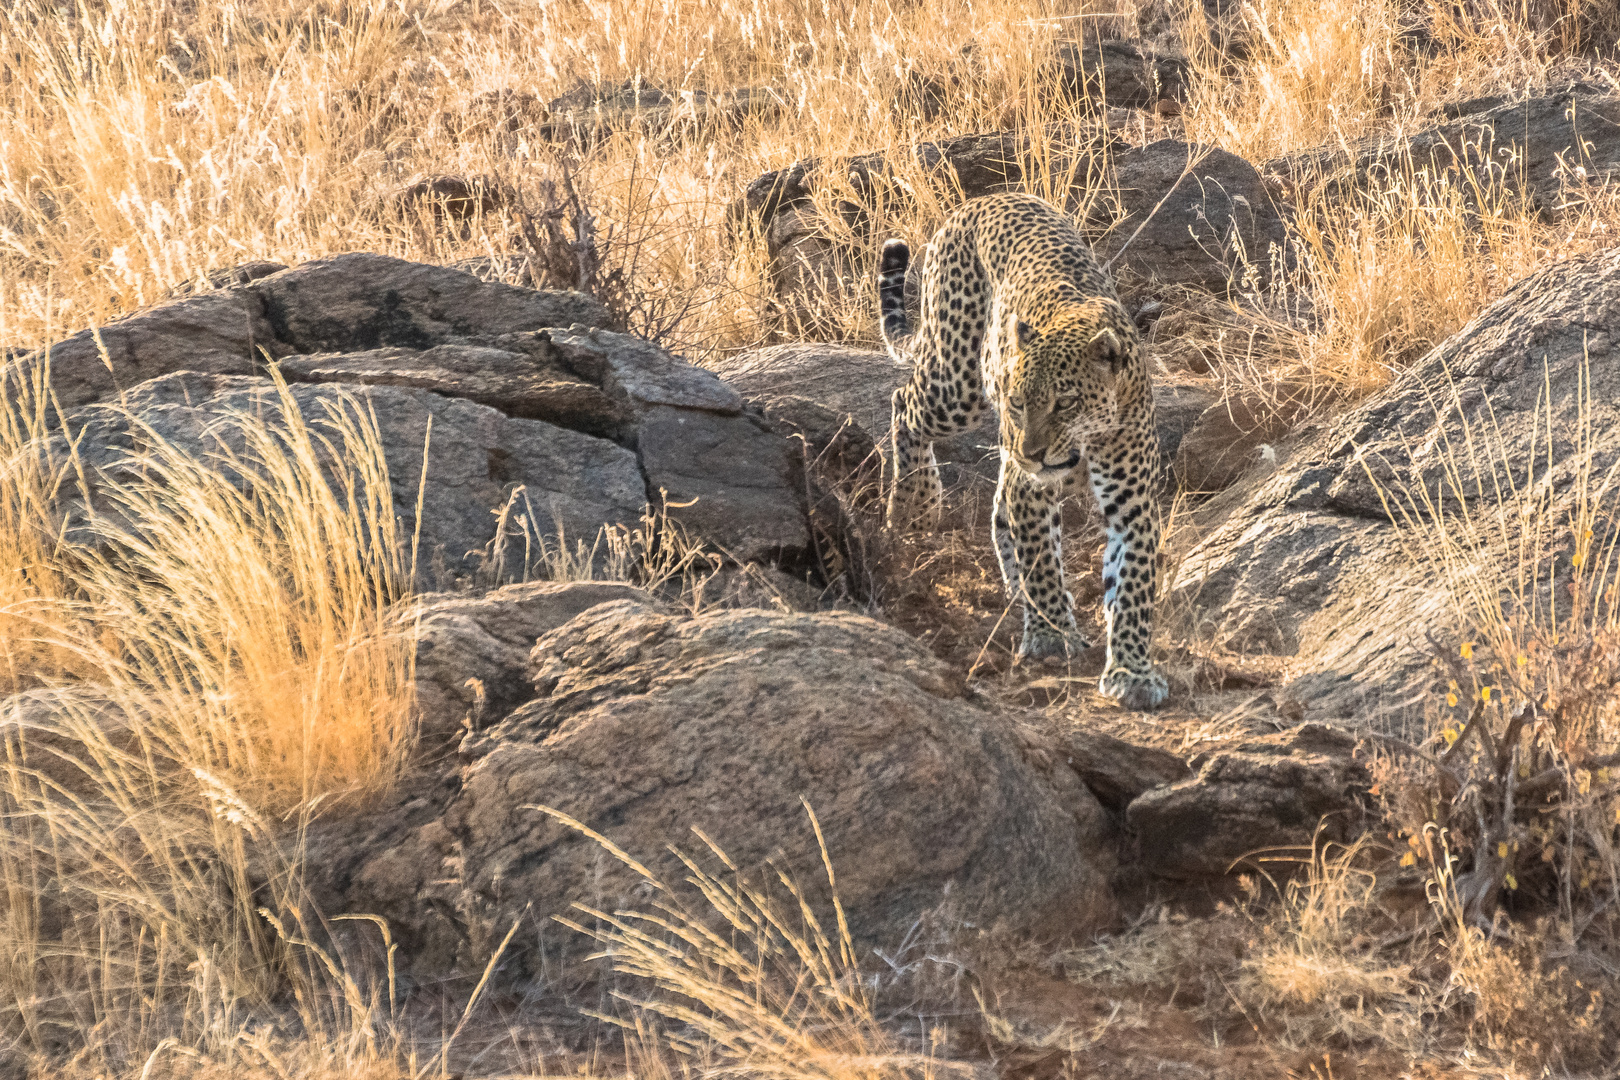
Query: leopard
{"x": 1016, "y": 314}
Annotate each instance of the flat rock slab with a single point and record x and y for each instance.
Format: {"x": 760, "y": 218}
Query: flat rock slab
{"x": 344, "y": 303}
{"x": 513, "y": 382}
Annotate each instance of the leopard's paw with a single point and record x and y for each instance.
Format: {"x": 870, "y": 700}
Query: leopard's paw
{"x": 1135, "y": 689}
{"x": 1052, "y": 645}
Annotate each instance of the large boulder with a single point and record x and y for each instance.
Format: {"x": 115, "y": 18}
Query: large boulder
{"x": 1192, "y": 215}
{"x": 1553, "y": 149}
{"x": 1501, "y": 424}
{"x": 344, "y": 303}
{"x": 650, "y": 726}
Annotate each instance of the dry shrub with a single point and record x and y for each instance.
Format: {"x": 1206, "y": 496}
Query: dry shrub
{"x": 1318, "y": 971}
{"x": 1508, "y": 809}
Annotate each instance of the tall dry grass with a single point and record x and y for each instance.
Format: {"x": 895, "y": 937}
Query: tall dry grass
{"x": 234, "y": 663}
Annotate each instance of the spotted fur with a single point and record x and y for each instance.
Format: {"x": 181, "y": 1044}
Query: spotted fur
{"x": 1018, "y": 316}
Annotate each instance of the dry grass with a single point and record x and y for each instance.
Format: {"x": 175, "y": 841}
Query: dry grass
{"x": 225, "y": 622}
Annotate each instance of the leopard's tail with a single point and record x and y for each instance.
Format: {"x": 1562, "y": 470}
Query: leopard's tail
{"x": 892, "y": 291}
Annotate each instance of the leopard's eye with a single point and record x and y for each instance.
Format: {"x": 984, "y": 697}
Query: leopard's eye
{"x": 1067, "y": 402}
{"x": 1016, "y": 403}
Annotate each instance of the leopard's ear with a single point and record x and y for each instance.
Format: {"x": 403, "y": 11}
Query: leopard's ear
{"x": 1110, "y": 350}
{"x": 1025, "y": 333}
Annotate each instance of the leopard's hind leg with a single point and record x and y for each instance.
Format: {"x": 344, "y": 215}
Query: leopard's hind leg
{"x": 945, "y": 395}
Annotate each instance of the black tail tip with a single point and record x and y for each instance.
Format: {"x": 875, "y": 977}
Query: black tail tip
{"x": 896, "y": 256}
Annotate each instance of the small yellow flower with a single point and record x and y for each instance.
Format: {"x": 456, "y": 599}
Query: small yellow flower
{"x": 1502, "y": 850}
{"x": 1409, "y": 858}
{"x": 1451, "y": 699}
{"x": 1603, "y": 776}
{"x": 1450, "y": 735}
{"x": 1512, "y": 882}
{"x": 1485, "y": 694}
{"x": 1468, "y": 650}
{"x": 1521, "y": 660}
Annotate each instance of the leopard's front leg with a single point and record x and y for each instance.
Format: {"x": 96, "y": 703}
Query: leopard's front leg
{"x": 1027, "y": 529}
{"x": 1123, "y": 479}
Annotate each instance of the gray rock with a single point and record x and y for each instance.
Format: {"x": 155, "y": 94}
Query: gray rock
{"x": 341, "y": 304}
{"x": 1308, "y": 565}
{"x": 472, "y": 652}
{"x": 649, "y": 726}
{"x": 729, "y": 479}
{"x": 1120, "y": 73}
{"x": 573, "y": 483}
{"x": 1199, "y": 209}
{"x": 217, "y": 333}
{"x": 1263, "y": 794}
{"x": 1531, "y": 146}
{"x": 359, "y": 301}
{"x": 1117, "y": 771}
{"x": 528, "y": 384}
{"x": 640, "y": 374}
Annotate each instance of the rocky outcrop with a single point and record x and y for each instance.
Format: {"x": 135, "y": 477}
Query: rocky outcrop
{"x": 1265, "y": 797}
{"x": 1193, "y": 215}
{"x": 1308, "y": 566}
{"x": 520, "y": 392}
{"x": 648, "y": 726}
{"x": 1552, "y": 148}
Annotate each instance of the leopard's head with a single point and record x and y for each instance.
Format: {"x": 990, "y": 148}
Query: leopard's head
{"x": 1063, "y": 384}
